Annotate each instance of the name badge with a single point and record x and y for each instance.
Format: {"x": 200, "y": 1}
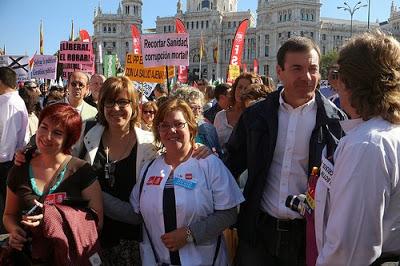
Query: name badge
{"x": 56, "y": 198}
{"x": 188, "y": 184}
{"x": 326, "y": 172}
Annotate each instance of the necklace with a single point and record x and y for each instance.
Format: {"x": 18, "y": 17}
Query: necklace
{"x": 123, "y": 154}
{"x": 53, "y": 188}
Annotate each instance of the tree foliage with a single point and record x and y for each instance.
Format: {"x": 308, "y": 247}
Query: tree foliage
{"x": 327, "y": 60}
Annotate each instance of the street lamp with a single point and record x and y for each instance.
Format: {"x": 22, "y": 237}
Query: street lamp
{"x": 351, "y": 10}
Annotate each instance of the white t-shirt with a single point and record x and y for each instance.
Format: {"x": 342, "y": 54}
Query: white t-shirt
{"x": 215, "y": 189}
{"x": 224, "y": 130}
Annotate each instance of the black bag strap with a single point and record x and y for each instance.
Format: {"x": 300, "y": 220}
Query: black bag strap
{"x": 217, "y": 249}
{"x": 53, "y": 179}
{"x": 144, "y": 224}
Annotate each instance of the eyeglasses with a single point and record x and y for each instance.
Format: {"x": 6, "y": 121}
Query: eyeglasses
{"x": 163, "y": 127}
{"x": 196, "y": 108}
{"x": 149, "y": 112}
{"x": 122, "y": 103}
{"x": 77, "y": 84}
{"x": 109, "y": 170}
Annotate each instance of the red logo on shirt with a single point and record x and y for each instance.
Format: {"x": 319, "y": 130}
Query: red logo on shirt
{"x": 56, "y": 198}
{"x": 188, "y": 176}
{"x": 154, "y": 180}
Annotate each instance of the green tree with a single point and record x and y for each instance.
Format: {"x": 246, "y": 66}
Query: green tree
{"x": 327, "y": 60}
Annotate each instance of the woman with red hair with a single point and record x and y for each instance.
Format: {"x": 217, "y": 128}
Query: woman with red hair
{"x": 51, "y": 176}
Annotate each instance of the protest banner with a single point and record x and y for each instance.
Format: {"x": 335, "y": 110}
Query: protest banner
{"x": 145, "y": 87}
{"x": 183, "y": 71}
{"x": 234, "y": 71}
{"x": 76, "y": 56}
{"x": 19, "y": 63}
{"x": 238, "y": 46}
{"x": 165, "y": 49}
{"x": 135, "y": 70}
{"x": 44, "y": 67}
{"x": 109, "y": 66}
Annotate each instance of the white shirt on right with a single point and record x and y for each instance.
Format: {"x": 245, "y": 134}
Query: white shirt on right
{"x": 357, "y": 213}
{"x": 287, "y": 174}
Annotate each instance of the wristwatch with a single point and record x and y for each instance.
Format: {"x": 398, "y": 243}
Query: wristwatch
{"x": 189, "y": 236}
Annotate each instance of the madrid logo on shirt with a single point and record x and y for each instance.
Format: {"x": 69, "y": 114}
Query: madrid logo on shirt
{"x": 154, "y": 181}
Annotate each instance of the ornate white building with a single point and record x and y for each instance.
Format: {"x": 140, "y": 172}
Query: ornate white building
{"x": 217, "y": 20}
{"x": 112, "y": 31}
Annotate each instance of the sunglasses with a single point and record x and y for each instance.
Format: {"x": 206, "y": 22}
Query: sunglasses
{"x": 149, "y": 112}
{"x": 77, "y": 84}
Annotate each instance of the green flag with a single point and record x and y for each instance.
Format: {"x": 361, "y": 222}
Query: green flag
{"x": 109, "y": 64}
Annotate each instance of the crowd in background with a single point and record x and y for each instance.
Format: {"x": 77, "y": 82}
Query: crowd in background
{"x": 158, "y": 180}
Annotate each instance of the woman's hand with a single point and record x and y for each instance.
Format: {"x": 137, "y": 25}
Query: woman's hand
{"x": 201, "y": 151}
{"x": 175, "y": 240}
{"x": 17, "y": 238}
{"x": 33, "y": 220}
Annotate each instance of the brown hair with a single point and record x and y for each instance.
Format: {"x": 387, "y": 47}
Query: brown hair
{"x": 170, "y": 105}
{"x": 251, "y": 77}
{"x": 369, "y": 66}
{"x": 296, "y": 44}
{"x": 254, "y": 92}
{"x": 150, "y": 104}
{"x": 110, "y": 90}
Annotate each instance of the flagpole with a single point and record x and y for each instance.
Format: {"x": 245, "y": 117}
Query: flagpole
{"x": 218, "y": 58}
{"x": 166, "y": 70}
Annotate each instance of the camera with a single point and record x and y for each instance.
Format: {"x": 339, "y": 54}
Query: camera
{"x": 297, "y": 203}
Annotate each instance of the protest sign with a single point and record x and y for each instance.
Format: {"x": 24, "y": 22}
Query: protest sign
{"x": 109, "y": 65}
{"x": 145, "y": 87}
{"x": 135, "y": 70}
{"x": 18, "y": 63}
{"x": 233, "y": 72}
{"x": 76, "y": 56}
{"x": 44, "y": 67}
{"x": 165, "y": 49}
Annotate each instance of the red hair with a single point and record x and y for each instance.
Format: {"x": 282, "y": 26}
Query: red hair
{"x": 68, "y": 118}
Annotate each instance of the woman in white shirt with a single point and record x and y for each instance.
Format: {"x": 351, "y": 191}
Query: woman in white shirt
{"x": 185, "y": 203}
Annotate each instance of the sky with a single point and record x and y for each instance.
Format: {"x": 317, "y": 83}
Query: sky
{"x": 20, "y": 19}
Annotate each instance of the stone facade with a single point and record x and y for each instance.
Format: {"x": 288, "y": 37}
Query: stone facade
{"x": 217, "y": 20}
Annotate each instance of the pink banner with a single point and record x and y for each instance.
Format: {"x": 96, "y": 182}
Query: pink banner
{"x": 183, "y": 71}
{"x": 165, "y": 49}
{"x": 76, "y": 52}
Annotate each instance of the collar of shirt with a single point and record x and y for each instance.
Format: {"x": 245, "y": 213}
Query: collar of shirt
{"x": 78, "y": 108}
{"x": 350, "y": 124}
{"x": 308, "y": 106}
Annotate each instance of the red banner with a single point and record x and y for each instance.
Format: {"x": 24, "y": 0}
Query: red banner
{"x": 85, "y": 37}
{"x": 135, "y": 40}
{"x": 238, "y": 45}
{"x": 244, "y": 67}
{"x": 255, "y": 64}
{"x": 183, "y": 71}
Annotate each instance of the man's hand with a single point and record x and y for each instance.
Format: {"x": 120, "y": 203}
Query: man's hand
{"x": 201, "y": 151}
{"x": 175, "y": 240}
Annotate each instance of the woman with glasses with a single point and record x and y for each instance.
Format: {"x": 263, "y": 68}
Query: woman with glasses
{"x": 116, "y": 149}
{"x": 185, "y": 203}
{"x": 149, "y": 110}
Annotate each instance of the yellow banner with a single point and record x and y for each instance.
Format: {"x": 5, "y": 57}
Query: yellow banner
{"x": 135, "y": 70}
{"x": 233, "y": 72}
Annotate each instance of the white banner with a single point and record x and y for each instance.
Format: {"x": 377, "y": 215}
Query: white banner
{"x": 19, "y": 63}
{"x": 44, "y": 67}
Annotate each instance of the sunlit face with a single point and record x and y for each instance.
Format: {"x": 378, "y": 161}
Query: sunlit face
{"x": 50, "y": 138}
{"x": 174, "y": 131}
{"x": 197, "y": 108}
{"x": 77, "y": 86}
{"x": 118, "y": 111}
{"x": 300, "y": 75}
{"x": 95, "y": 85}
{"x": 240, "y": 86}
{"x": 148, "y": 114}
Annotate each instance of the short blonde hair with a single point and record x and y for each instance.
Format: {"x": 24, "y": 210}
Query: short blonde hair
{"x": 110, "y": 90}
{"x": 170, "y": 105}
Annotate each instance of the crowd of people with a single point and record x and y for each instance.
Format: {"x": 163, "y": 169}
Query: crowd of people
{"x": 97, "y": 173}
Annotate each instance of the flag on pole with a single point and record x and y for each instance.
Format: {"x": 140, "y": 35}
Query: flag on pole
{"x": 135, "y": 39}
{"x": 100, "y": 54}
{"x": 84, "y": 35}
{"x": 41, "y": 41}
{"x": 183, "y": 71}
{"x": 202, "y": 49}
{"x": 71, "y": 37}
{"x": 215, "y": 54}
{"x": 255, "y": 63}
{"x": 244, "y": 67}
{"x": 31, "y": 61}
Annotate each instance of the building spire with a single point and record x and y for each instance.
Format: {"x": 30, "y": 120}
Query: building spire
{"x": 179, "y": 7}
